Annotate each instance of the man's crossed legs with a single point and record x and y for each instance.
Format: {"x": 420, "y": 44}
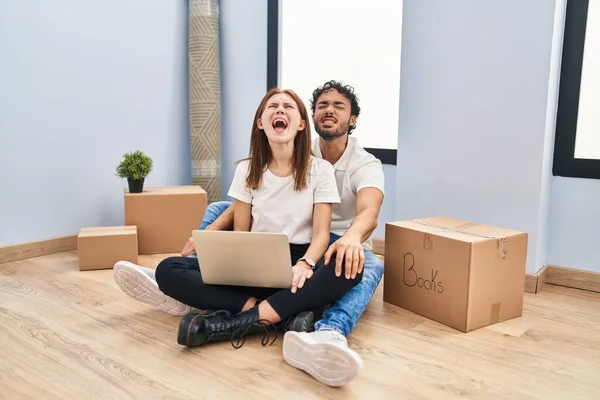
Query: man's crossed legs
{"x": 324, "y": 353}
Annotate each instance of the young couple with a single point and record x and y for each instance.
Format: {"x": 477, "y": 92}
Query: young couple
{"x": 326, "y": 199}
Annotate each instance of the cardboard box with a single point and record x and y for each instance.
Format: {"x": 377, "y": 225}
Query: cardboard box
{"x": 102, "y": 247}
{"x": 165, "y": 216}
{"x": 461, "y": 274}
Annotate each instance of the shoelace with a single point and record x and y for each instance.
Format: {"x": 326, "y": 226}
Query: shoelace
{"x": 243, "y": 331}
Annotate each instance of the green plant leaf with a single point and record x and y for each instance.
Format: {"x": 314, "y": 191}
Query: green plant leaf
{"x": 135, "y": 165}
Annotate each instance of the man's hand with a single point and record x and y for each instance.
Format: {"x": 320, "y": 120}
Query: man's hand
{"x": 189, "y": 248}
{"x": 300, "y": 273}
{"x": 350, "y": 248}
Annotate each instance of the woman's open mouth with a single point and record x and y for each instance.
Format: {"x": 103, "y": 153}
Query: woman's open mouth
{"x": 280, "y": 125}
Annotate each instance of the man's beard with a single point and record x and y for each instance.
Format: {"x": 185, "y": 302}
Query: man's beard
{"x": 332, "y": 133}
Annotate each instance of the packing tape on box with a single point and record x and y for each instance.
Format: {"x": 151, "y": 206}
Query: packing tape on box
{"x": 428, "y": 241}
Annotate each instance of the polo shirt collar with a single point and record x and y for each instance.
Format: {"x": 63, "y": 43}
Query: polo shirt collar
{"x": 342, "y": 163}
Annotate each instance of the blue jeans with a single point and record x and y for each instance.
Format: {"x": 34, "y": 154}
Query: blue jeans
{"x": 343, "y": 315}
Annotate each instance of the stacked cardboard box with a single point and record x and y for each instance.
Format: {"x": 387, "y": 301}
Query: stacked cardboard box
{"x": 165, "y": 216}
{"x": 459, "y": 273}
{"x": 158, "y": 220}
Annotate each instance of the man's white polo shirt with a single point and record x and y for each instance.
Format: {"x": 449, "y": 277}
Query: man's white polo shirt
{"x": 355, "y": 170}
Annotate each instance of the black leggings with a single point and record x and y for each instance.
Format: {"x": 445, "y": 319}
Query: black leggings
{"x": 180, "y": 278}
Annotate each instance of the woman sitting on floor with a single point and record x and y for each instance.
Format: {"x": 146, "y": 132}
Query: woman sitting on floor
{"x": 280, "y": 188}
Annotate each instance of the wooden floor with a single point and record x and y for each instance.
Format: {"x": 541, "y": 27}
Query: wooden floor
{"x": 67, "y": 334}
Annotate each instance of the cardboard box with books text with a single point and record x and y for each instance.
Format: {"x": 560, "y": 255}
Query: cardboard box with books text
{"x": 459, "y": 273}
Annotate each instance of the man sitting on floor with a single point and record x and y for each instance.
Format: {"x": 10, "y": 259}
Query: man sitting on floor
{"x": 323, "y": 353}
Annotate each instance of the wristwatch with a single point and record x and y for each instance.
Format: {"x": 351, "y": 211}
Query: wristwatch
{"x": 309, "y": 261}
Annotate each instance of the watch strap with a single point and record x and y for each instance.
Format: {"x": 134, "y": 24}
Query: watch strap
{"x": 309, "y": 261}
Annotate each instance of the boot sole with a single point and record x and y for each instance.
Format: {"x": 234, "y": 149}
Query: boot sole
{"x": 327, "y": 363}
{"x": 139, "y": 286}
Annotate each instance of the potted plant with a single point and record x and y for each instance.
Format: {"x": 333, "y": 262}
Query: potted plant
{"x": 135, "y": 166}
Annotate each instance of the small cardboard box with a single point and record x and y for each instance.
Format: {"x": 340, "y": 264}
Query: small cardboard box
{"x": 165, "y": 216}
{"x": 461, "y": 274}
{"x": 102, "y": 247}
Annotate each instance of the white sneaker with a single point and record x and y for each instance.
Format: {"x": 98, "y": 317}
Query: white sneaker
{"x": 140, "y": 284}
{"x": 323, "y": 354}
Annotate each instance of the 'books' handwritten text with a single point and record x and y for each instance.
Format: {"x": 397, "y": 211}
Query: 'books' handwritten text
{"x": 412, "y": 278}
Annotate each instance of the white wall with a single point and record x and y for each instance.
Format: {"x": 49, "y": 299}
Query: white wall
{"x": 243, "y": 39}
{"x": 473, "y": 113}
{"x": 388, "y": 209}
{"x": 551, "y": 114}
{"x": 574, "y": 227}
{"x": 82, "y": 83}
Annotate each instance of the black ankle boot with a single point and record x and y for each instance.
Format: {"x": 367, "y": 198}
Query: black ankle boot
{"x": 197, "y": 329}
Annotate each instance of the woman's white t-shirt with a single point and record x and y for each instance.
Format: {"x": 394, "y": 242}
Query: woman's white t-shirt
{"x": 278, "y": 208}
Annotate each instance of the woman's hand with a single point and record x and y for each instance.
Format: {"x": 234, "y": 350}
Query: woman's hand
{"x": 300, "y": 273}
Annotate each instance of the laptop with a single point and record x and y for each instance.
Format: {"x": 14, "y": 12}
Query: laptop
{"x": 238, "y": 258}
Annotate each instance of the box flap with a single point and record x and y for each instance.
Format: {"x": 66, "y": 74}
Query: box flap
{"x": 107, "y": 231}
{"x": 457, "y": 229}
{"x": 157, "y": 190}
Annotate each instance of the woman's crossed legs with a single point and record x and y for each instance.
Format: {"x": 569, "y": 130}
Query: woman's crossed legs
{"x": 243, "y": 309}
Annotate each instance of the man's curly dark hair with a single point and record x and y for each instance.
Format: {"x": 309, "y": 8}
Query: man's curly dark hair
{"x": 346, "y": 90}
